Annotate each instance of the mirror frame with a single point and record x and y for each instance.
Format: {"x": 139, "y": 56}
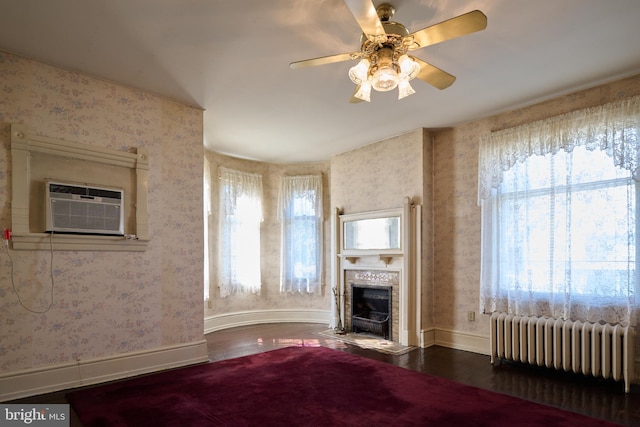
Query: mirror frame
{"x": 381, "y": 214}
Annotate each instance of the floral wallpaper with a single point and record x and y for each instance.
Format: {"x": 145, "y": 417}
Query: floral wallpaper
{"x": 380, "y": 175}
{"x": 104, "y": 303}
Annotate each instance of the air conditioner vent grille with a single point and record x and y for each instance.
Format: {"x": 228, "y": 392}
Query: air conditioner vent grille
{"x": 77, "y": 209}
{"x": 85, "y": 191}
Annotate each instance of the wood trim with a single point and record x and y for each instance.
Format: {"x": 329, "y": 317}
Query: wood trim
{"x": 455, "y": 339}
{"x": 75, "y": 242}
{"x": 24, "y": 143}
{"x": 244, "y": 318}
{"x": 48, "y": 379}
{"x": 404, "y": 260}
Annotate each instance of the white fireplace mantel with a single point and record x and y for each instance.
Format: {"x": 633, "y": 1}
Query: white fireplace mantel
{"x": 402, "y": 256}
{"x": 385, "y": 258}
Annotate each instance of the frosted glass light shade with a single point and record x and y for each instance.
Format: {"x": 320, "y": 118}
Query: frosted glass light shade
{"x": 409, "y": 68}
{"x": 405, "y": 89}
{"x": 360, "y": 72}
{"x": 385, "y": 79}
{"x": 364, "y": 92}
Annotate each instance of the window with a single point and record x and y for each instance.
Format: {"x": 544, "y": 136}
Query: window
{"x": 559, "y": 218}
{"x": 300, "y": 214}
{"x": 240, "y": 218}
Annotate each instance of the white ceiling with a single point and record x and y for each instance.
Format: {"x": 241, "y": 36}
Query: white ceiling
{"x": 232, "y": 59}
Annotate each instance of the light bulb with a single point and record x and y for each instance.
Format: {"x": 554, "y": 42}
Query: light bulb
{"x": 364, "y": 92}
{"x": 384, "y": 79}
{"x": 360, "y": 72}
{"x": 405, "y": 89}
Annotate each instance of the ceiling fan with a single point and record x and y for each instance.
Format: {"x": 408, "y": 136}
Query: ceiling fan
{"x": 384, "y": 62}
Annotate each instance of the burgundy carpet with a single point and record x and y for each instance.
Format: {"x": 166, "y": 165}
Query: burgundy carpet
{"x": 307, "y": 386}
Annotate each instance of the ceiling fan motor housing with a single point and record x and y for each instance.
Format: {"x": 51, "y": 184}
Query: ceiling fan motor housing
{"x": 390, "y": 28}
{"x": 385, "y": 11}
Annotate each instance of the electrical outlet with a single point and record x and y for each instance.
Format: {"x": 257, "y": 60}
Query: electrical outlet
{"x": 471, "y": 316}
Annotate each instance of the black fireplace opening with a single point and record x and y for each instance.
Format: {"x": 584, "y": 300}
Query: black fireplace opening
{"x": 371, "y": 310}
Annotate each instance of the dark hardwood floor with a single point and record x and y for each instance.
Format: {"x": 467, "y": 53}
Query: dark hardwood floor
{"x": 594, "y": 397}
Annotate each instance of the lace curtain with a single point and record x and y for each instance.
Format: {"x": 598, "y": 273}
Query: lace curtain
{"x": 240, "y": 218}
{"x": 612, "y": 128}
{"x": 300, "y": 215}
{"x": 559, "y": 219}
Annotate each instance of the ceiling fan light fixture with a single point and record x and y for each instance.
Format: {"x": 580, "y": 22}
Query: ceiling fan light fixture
{"x": 384, "y": 63}
{"x": 364, "y": 92}
{"x": 360, "y": 72}
{"x": 405, "y": 89}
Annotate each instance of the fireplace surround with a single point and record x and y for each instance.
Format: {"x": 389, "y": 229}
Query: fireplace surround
{"x": 382, "y": 292}
{"x": 387, "y": 257}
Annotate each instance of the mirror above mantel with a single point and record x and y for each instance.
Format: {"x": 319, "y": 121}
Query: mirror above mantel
{"x": 373, "y": 233}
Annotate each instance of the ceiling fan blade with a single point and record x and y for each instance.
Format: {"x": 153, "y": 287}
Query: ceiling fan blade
{"x": 325, "y": 60}
{"x": 365, "y": 13}
{"x": 450, "y": 29}
{"x": 434, "y": 75}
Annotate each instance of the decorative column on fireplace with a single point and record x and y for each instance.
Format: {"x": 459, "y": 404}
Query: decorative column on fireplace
{"x": 371, "y": 310}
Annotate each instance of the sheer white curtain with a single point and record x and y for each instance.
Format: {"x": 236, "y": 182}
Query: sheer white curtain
{"x": 559, "y": 216}
{"x": 240, "y": 218}
{"x": 300, "y": 215}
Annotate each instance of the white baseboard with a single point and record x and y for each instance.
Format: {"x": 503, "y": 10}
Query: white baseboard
{"x": 31, "y": 382}
{"x": 455, "y": 339}
{"x": 462, "y": 341}
{"x": 427, "y": 337}
{"x": 244, "y": 318}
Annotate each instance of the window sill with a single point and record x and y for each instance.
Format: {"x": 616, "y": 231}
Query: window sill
{"x": 76, "y": 242}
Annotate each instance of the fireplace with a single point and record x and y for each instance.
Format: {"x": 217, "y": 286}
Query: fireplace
{"x": 372, "y": 302}
{"x": 378, "y": 256}
{"x": 371, "y": 309}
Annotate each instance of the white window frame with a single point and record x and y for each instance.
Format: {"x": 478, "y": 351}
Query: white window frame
{"x": 297, "y": 274}
{"x": 239, "y": 232}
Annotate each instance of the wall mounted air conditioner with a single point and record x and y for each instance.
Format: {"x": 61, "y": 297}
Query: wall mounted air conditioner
{"x": 74, "y": 208}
